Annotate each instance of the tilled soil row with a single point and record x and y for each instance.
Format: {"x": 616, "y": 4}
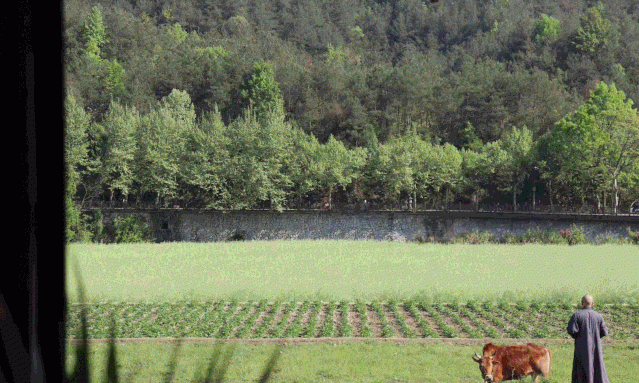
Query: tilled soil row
{"x": 292, "y": 320}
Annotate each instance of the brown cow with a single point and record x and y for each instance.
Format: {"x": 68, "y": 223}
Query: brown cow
{"x": 513, "y": 362}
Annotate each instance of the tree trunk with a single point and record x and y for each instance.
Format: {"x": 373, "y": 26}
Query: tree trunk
{"x": 552, "y": 206}
{"x": 616, "y": 201}
{"x": 330, "y": 198}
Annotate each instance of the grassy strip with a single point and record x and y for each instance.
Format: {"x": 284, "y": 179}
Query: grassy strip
{"x": 345, "y": 328}
{"x": 328, "y": 328}
{"x": 311, "y": 324}
{"x": 387, "y": 331}
{"x": 365, "y": 361}
{"x": 296, "y": 270}
{"x": 360, "y": 308}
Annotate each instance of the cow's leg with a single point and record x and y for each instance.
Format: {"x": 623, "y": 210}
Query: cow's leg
{"x": 535, "y": 377}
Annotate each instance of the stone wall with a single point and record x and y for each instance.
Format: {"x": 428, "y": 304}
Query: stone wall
{"x": 206, "y": 226}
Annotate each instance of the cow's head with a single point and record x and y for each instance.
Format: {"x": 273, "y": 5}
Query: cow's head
{"x": 487, "y": 366}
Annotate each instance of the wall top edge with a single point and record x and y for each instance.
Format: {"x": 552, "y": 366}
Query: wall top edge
{"x": 426, "y": 213}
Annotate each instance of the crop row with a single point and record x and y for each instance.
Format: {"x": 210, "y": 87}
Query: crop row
{"x": 316, "y": 319}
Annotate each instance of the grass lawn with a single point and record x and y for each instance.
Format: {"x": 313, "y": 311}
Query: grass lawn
{"x": 355, "y": 361}
{"x": 351, "y": 269}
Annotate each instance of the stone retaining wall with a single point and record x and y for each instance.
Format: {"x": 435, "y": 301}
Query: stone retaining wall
{"x": 206, "y": 226}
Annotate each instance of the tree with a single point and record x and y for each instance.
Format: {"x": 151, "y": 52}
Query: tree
{"x": 115, "y": 79}
{"x": 619, "y": 124}
{"x": 120, "y": 125}
{"x": 260, "y": 150}
{"x": 161, "y": 140}
{"x": 595, "y": 31}
{"x": 516, "y": 165}
{"x": 204, "y": 166}
{"x": 94, "y": 34}
{"x": 337, "y": 166}
{"x": 77, "y": 123}
{"x": 261, "y": 91}
{"x": 547, "y": 29}
{"x": 447, "y": 169}
{"x": 592, "y": 147}
{"x": 400, "y": 160}
{"x": 409, "y": 164}
{"x": 303, "y": 166}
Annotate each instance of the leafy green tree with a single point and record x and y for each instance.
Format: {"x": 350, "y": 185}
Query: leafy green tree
{"x": 399, "y": 160}
{"x": 303, "y": 166}
{"x": 261, "y": 91}
{"x": 474, "y": 179}
{"x": 619, "y": 123}
{"x": 161, "y": 145}
{"x": 94, "y": 34}
{"x": 120, "y": 125}
{"x": 336, "y": 166}
{"x": 595, "y": 31}
{"x": 447, "y": 170}
{"x": 514, "y": 167}
{"x": 115, "y": 79}
{"x": 204, "y": 166}
{"x": 177, "y": 33}
{"x": 259, "y": 153}
{"x": 503, "y": 164}
{"x": 77, "y": 123}
{"x": 416, "y": 84}
{"x": 471, "y": 140}
{"x": 408, "y": 165}
{"x": 590, "y": 148}
{"x": 372, "y": 171}
{"x": 547, "y": 29}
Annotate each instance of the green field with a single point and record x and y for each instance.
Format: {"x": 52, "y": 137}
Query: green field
{"x": 337, "y": 270}
{"x": 378, "y": 292}
{"x": 355, "y": 361}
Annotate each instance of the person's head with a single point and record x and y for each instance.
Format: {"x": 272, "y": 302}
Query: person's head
{"x": 587, "y": 301}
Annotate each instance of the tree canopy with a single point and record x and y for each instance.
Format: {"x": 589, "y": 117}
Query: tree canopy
{"x": 277, "y": 104}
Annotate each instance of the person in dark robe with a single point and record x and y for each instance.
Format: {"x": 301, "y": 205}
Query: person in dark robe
{"x": 587, "y": 327}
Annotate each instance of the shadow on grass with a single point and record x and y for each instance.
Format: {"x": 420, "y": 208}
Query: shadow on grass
{"x": 215, "y": 372}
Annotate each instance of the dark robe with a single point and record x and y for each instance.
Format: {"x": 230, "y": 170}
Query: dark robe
{"x": 587, "y": 327}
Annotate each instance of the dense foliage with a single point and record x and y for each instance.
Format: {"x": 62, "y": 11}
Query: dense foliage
{"x": 280, "y": 103}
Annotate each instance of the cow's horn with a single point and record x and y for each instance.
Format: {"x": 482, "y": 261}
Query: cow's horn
{"x": 477, "y": 355}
